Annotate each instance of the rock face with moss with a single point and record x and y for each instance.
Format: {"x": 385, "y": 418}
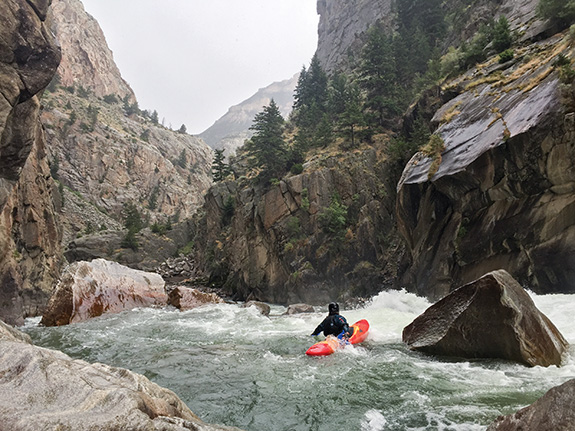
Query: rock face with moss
{"x": 503, "y": 194}
{"x": 311, "y": 237}
{"x": 29, "y": 232}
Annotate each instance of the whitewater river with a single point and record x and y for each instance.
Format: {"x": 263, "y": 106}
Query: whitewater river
{"x": 233, "y": 366}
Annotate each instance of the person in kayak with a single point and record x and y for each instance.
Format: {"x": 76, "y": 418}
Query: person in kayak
{"x": 334, "y": 323}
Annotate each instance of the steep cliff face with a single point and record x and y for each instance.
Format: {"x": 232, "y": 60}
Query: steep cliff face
{"x": 29, "y": 233}
{"x": 501, "y": 193}
{"x": 276, "y": 244}
{"x": 341, "y": 27}
{"x": 102, "y": 146}
{"x": 87, "y": 61}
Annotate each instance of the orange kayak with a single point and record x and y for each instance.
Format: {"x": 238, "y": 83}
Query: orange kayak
{"x": 331, "y": 343}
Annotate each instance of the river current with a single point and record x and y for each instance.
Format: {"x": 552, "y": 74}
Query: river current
{"x": 233, "y": 366}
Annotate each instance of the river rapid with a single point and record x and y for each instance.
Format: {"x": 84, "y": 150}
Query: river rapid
{"x": 233, "y": 366}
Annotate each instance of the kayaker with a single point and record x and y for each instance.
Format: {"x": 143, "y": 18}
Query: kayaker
{"x": 334, "y": 323}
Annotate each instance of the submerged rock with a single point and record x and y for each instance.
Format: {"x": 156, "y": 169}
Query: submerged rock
{"x": 552, "y": 412}
{"x": 43, "y": 389}
{"x": 492, "y": 317}
{"x": 300, "y": 308}
{"x": 90, "y": 289}
{"x": 185, "y": 298}
{"x": 263, "y": 308}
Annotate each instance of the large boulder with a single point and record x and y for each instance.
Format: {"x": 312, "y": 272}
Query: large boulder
{"x": 492, "y": 317}
{"x": 43, "y": 389}
{"x": 552, "y": 412}
{"x": 90, "y": 289}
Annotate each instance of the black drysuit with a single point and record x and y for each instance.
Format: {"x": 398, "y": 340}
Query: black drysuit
{"x": 333, "y": 324}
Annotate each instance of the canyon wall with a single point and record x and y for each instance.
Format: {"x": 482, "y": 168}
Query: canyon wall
{"x": 500, "y": 195}
{"x": 29, "y": 232}
{"x": 103, "y": 147}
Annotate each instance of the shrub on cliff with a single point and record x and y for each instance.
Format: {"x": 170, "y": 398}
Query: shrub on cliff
{"x": 333, "y": 219}
{"x": 560, "y": 12}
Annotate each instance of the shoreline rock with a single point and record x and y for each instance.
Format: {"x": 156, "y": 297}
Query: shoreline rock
{"x": 552, "y": 412}
{"x": 45, "y": 389}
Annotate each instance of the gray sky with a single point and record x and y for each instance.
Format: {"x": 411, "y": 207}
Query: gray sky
{"x": 193, "y": 59}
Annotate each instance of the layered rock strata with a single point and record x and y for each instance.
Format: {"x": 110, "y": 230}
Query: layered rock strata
{"x": 29, "y": 232}
{"x": 492, "y": 317}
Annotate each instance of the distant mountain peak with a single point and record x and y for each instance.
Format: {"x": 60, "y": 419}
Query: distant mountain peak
{"x": 231, "y": 130}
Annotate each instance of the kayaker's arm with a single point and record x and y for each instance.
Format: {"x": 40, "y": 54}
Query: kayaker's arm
{"x": 318, "y": 329}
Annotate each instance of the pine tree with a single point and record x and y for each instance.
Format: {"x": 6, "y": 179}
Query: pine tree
{"x": 378, "y": 77}
{"x": 267, "y": 146}
{"x": 310, "y": 106}
{"x": 133, "y": 223}
{"x": 352, "y": 118}
{"x": 220, "y": 170}
{"x": 502, "y": 38}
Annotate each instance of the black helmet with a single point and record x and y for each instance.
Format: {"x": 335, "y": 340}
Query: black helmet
{"x": 333, "y": 308}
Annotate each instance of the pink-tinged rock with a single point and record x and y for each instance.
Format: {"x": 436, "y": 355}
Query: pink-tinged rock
{"x": 552, "y": 412}
{"x": 185, "y": 298}
{"x": 90, "y": 289}
{"x": 492, "y": 317}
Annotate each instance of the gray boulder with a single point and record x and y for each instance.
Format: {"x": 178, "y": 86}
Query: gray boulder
{"x": 299, "y": 308}
{"x": 552, "y": 412}
{"x": 492, "y": 317}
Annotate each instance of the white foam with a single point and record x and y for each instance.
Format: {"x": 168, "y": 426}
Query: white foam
{"x": 373, "y": 421}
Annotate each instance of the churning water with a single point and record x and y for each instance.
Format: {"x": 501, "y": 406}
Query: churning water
{"x": 233, "y": 366}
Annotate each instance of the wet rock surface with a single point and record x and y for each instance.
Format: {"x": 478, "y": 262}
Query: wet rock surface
{"x": 492, "y": 317}
{"x": 552, "y": 412}
{"x": 501, "y": 194}
{"x": 42, "y": 389}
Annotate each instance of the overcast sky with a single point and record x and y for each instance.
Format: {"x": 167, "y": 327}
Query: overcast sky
{"x": 193, "y": 59}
